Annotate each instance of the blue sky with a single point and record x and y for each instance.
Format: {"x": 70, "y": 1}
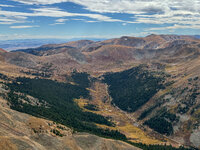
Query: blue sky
{"x": 66, "y": 19}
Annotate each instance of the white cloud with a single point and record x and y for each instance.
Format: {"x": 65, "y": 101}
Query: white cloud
{"x": 84, "y": 20}
{"x": 57, "y": 23}
{"x": 22, "y": 27}
{"x": 174, "y": 17}
{"x": 61, "y": 20}
{"x": 162, "y": 11}
{"x": 40, "y": 2}
{"x": 77, "y": 19}
{"x": 172, "y": 28}
{"x": 111, "y": 6}
{"x": 6, "y": 20}
{"x": 10, "y": 20}
{"x": 180, "y": 12}
{"x": 126, "y": 6}
{"x": 90, "y": 21}
{"x": 2, "y": 5}
{"x": 55, "y": 13}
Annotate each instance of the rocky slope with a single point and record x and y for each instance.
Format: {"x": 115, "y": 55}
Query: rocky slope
{"x": 20, "y": 131}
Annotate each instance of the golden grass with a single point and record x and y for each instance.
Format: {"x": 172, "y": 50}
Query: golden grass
{"x": 123, "y": 123}
{"x": 134, "y": 134}
{"x": 38, "y": 125}
{"x": 138, "y": 135}
{"x": 6, "y": 144}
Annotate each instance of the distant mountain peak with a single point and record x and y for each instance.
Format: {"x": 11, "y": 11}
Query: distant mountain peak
{"x": 2, "y": 50}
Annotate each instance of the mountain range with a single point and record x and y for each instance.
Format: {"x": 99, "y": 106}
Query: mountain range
{"x": 10, "y": 45}
{"x": 138, "y": 89}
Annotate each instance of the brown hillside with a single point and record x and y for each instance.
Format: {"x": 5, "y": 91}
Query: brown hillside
{"x": 178, "y": 57}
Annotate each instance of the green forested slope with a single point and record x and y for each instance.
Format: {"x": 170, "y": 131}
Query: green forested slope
{"x": 132, "y": 88}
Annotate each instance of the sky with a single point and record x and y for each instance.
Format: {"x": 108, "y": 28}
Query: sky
{"x": 67, "y": 19}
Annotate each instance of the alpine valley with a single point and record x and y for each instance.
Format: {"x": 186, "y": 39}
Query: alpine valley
{"x": 126, "y": 93}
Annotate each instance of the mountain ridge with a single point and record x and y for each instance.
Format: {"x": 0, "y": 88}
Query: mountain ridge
{"x": 173, "y": 57}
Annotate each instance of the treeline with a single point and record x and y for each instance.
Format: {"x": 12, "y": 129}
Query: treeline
{"x": 91, "y": 107}
{"x": 81, "y": 78}
{"x": 59, "y": 105}
{"x": 160, "y": 125}
{"x": 56, "y": 104}
{"x": 37, "y": 73}
{"x": 132, "y": 88}
{"x": 159, "y": 147}
{"x": 147, "y": 111}
{"x": 162, "y": 121}
{"x": 3, "y": 77}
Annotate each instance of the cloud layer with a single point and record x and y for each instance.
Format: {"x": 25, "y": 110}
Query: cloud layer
{"x": 182, "y": 12}
{"x": 126, "y": 6}
{"x": 153, "y": 15}
{"x": 10, "y": 17}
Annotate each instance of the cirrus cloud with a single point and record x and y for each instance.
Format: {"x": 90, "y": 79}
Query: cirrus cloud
{"x": 22, "y": 27}
{"x": 144, "y": 11}
{"x": 51, "y": 12}
{"x": 140, "y": 16}
{"x": 3, "y": 5}
{"x": 126, "y": 6}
